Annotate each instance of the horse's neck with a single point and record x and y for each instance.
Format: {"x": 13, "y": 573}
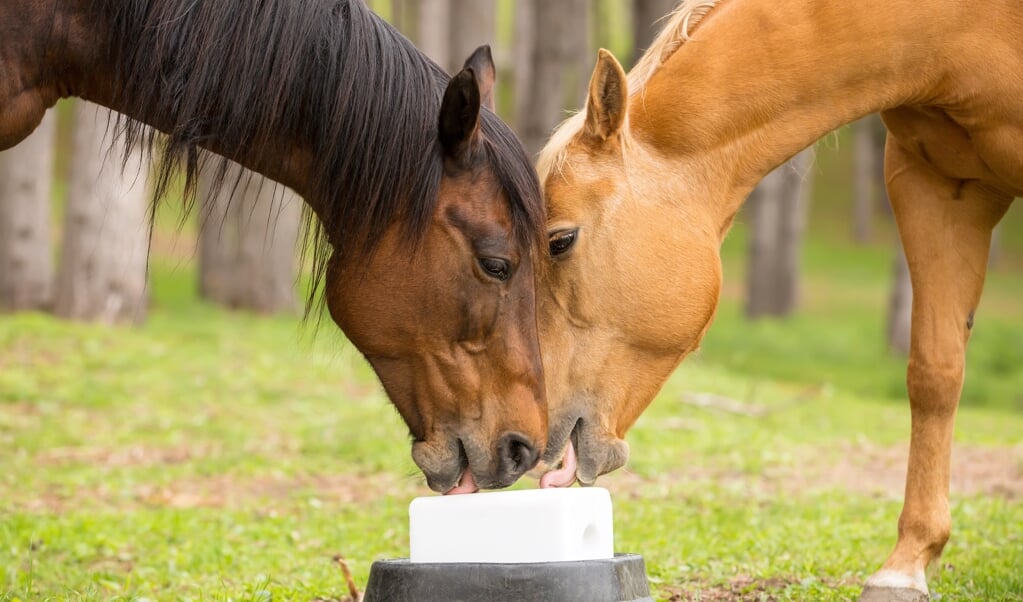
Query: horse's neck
{"x": 93, "y": 78}
{"x": 762, "y": 79}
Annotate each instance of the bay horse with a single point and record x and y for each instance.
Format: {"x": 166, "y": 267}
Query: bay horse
{"x": 642, "y": 186}
{"x": 429, "y": 211}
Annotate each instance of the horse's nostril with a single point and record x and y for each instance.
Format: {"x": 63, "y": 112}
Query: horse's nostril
{"x": 516, "y": 455}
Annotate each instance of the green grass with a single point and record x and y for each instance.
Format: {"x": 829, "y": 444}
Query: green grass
{"x": 210, "y": 455}
{"x": 222, "y": 456}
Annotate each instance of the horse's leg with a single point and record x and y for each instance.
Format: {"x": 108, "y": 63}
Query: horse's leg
{"x": 945, "y": 226}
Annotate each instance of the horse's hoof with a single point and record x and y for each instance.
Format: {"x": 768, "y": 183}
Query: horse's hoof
{"x": 872, "y": 593}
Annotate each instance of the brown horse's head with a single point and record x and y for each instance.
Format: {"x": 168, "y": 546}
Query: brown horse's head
{"x": 451, "y": 328}
{"x": 429, "y": 212}
{"x": 628, "y": 293}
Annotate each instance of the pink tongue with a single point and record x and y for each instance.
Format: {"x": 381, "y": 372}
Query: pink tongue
{"x": 564, "y": 476}
{"x": 467, "y": 484}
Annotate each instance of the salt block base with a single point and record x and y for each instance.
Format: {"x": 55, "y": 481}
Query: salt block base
{"x": 618, "y": 579}
{"x": 532, "y": 525}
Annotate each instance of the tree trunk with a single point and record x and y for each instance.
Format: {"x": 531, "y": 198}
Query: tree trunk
{"x": 582, "y": 42}
{"x": 247, "y": 241}
{"x": 522, "y": 48}
{"x": 557, "y": 77}
{"x": 900, "y": 304}
{"x": 868, "y": 179}
{"x": 102, "y": 274}
{"x": 606, "y": 21}
{"x": 405, "y": 18}
{"x": 647, "y": 21}
{"x": 777, "y": 219}
{"x": 434, "y": 30}
{"x": 26, "y": 255}
{"x": 473, "y": 23}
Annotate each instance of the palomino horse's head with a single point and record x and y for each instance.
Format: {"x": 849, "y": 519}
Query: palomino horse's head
{"x": 628, "y": 293}
{"x": 451, "y": 330}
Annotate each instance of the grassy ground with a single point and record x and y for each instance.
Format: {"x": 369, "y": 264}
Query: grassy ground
{"x": 217, "y": 456}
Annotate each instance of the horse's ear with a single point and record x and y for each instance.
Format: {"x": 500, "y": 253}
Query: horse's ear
{"x": 482, "y": 64}
{"x": 609, "y": 97}
{"x": 460, "y": 114}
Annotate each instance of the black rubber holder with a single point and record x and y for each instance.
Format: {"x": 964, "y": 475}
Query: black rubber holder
{"x": 618, "y": 579}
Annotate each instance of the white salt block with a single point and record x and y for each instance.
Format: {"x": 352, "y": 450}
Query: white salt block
{"x": 535, "y": 525}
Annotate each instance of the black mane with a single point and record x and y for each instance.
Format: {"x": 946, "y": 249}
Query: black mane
{"x": 327, "y": 73}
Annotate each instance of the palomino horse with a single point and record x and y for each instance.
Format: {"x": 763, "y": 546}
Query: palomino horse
{"x": 643, "y": 185}
{"x": 429, "y": 210}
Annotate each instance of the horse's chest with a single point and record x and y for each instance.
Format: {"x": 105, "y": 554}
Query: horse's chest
{"x": 1002, "y": 149}
{"x": 967, "y": 149}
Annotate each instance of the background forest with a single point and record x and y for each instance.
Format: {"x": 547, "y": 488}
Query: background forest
{"x": 175, "y": 430}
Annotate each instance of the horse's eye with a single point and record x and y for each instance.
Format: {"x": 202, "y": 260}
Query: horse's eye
{"x": 496, "y": 268}
{"x": 562, "y": 241}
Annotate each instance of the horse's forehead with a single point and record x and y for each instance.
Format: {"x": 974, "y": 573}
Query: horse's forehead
{"x": 475, "y": 184}
{"x": 475, "y": 202}
{"x": 585, "y": 167}
{"x": 478, "y": 217}
{"x": 582, "y": 188}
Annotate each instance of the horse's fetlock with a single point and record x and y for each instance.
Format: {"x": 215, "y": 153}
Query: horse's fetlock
{"x": 931, "y": 531}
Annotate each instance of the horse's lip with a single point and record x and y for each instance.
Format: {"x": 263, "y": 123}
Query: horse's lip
{"x": 574, "y": 436}
{"x": 558, "y": 463}
{"x": 444, "y": 480}
{"x": 449, "y": 477}
{"x": 464, "y": 472}
{"x": 598, "y": 452}
{"x": 466, "y": 484}
{"x": 555, "y": 452}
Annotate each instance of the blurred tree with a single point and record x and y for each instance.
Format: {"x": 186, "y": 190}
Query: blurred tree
{"x": 432, "y": 32}
{"x": 26, "y": 256}
{"x": 868, "y": 179}
{"x": 473, "y": 23}
{"x": 248, "y": 239}
{"x": 647, "y": 21}
{"x": 777, "y": 216}
{"x": 557, "y": 40}
{"x": 102, "y": 275}
{"x": 900, "y": 303}
{"x": 447, "y": 31}
{"x": 583, "y": 42}
{"x": 405, "y": 17}
{"x": 522, "y": 60}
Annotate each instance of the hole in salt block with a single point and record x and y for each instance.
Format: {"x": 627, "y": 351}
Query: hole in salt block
{"x": 591, "y": 536}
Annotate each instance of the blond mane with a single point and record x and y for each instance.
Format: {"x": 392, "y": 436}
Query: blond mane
{"x": 678, "y": 25}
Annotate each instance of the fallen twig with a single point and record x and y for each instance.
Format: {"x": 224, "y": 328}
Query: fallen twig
{"x": 723, "y": 404}
{"x": 353, "y": 590}
{"x": 728, "y": 405}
